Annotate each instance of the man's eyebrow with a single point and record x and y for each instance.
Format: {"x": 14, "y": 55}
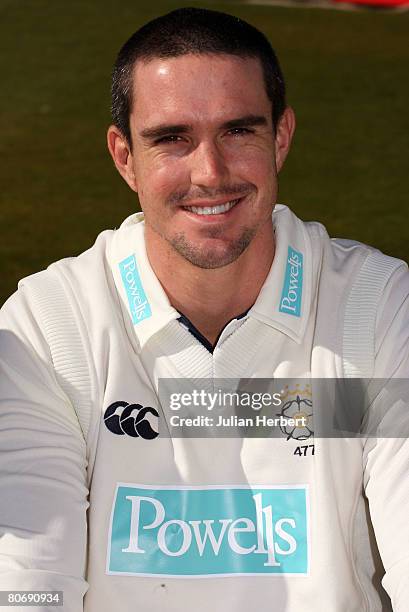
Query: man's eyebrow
{"x": 164, "y": 130}
{"x": 246, "y": 121}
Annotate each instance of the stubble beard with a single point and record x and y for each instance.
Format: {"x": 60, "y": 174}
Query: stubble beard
{"x": 210, "y": 257}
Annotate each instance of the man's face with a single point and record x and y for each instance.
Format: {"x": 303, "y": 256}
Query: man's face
{"x": 204, "y": 158}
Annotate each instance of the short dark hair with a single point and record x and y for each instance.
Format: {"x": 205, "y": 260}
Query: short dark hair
{"x": 197, "y": 31}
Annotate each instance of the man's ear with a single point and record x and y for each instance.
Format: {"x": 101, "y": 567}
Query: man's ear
{"x": 284, "y": 135}
{"x": 122, "y": 155}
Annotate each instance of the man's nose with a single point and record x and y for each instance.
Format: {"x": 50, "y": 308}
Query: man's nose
{"x": 208, "y": 165}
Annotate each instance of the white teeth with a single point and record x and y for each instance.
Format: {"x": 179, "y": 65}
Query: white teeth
{"x": 212, "y": 210}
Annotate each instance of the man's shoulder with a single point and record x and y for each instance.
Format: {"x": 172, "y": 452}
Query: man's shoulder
{"x": 349, "y": 271}
{"x": 360, "y": 269}
{"x": 85, "y": 280}
{"x": 92, "y": 265}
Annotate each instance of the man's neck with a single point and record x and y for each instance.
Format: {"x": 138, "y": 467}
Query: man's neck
{"x": 210, "y": 298}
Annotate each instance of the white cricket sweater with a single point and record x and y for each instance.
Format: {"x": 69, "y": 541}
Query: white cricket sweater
{"x": 224, "y": 524}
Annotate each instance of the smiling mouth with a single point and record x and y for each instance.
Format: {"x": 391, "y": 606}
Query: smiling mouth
{"x": 212, "y": 210}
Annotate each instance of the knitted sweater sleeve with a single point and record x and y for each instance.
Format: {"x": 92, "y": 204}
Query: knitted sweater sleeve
{"x": 386, "y": 457}
{"x": 43, "y": 485}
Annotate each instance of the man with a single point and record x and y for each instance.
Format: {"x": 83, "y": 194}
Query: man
{"x": 206, "y": 285}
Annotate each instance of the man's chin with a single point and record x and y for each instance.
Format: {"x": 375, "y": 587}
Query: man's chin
{"x": 212, "y": 254}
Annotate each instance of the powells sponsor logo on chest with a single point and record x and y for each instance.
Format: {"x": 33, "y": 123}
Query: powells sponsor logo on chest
{"x": 291, "y": 297}
{"x": 209, "y": 531}
{"x": 138, "y": 304}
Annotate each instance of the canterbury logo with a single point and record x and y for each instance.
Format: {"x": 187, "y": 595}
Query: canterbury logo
{"x": 123, "y": 418}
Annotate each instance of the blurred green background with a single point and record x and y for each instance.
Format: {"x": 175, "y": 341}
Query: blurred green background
{"x": 347, "y": 75}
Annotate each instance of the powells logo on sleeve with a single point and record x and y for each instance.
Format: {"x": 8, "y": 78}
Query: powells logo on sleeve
{"x": 138, "y": 304}
{"x": 186, "y": 531}
{"x": 291, "y": 296}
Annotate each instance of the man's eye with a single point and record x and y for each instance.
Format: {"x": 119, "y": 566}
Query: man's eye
{"x": 171, "y": 138}
{"x": 240, "y": 131}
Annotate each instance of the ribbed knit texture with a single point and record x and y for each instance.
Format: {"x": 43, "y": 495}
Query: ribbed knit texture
{"x": 190, "y": 359}
{"x": 68, "y": 355}
{"x": 360, "y": 314}
{"x": 239, "y": 350}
